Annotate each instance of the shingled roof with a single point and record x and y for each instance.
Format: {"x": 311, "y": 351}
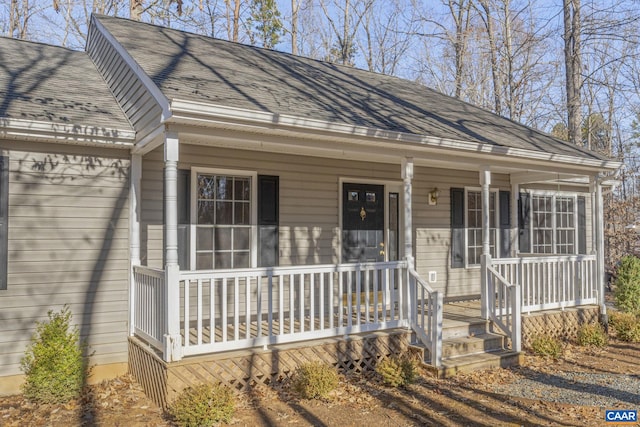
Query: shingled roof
{"x": 44, "y": 83}
{"x": 192, "y": 67}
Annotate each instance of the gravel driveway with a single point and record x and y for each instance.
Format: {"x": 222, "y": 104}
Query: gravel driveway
{"x": 606, "y": 390}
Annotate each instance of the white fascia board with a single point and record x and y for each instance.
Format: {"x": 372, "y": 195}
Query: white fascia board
{"x": 66, "y": 133}
{"x": 266, "y": 121}
{"x": 155, "y": 91}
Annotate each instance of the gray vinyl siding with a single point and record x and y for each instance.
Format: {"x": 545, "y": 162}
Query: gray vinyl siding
{"x": 309, "y": 193}
{"x": 68, "y": 244}
{"x": 136, "y": 101}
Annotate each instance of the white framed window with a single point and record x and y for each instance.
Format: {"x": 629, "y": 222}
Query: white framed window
{"x": 554, "y": 223}
{"x": 473, "y": 225}
{"x": 223, "y": 219}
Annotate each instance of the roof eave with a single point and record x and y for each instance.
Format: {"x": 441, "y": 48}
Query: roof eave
{"x": 186, "y": 109}
{"x": 68, "y": 133}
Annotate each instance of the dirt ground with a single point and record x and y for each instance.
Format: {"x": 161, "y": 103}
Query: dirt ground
{"x": 465, "y": 400}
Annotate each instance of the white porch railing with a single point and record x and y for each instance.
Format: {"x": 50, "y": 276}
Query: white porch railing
{"x": 235, "y": 309}
{"x": 149, "y": 317}
{"x": 428, "y": 316}
{"x": 551, "y": 282}
{"x": 505, "y": 311}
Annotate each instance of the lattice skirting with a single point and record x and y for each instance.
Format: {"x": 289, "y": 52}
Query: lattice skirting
{"x": 243, "y": 369}
{"x": 562, "y": 325}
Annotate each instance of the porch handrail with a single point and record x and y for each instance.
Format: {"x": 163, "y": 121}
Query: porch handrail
{"x": 223, "y": 310}
{"x": 426, "y": 317}
{"x": 506, "y": 309}
{"x": 149, "y": 317}
{"x": 551, "y": 282}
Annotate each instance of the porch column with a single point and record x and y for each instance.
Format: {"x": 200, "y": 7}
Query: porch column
{"x": 172, "y": 339}
{"x": 134, "y": 230}
{"x": 600, "y": 248}
{"x": 515, "y": 243}
{"x": 407, "y": 177}
{"x": 485, "y": 259}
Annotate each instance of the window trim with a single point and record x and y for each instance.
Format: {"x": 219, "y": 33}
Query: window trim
{"x": 553, "y": 194}
{"x": 496, "y": 202}
{"x": 193, "y": 201}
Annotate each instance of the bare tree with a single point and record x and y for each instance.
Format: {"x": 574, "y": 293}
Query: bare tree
{"x": 573, "y": 68}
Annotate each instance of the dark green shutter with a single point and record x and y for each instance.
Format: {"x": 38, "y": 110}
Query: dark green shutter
{"x": 184, "y": 218}
{"x": 524, "y": 223}
{"x": 505, "y": 223}
{"x": 4, "y": 220}
{"x": 268, "y": 213}
{"x": 457, "y": 228}
{"x": 582, "y": 225}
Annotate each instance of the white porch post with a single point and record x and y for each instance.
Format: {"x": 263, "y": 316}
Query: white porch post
{"x": 600, "y": 247}
{"x": 485, "y": 259}
{"x": 515, "y": 196}
{"x": 407, "y": 177}
{"x": 172, "y": 339}
{"x": 134, "y": 231}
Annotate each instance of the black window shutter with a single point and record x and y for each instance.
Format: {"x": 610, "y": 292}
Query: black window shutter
{"x": 505, "y": 223}
{"x": 4, "y": 220}
{"x": 268, "y": 213}
{"x": 524, "y": 224}
{"x": 582, "y": 225}
{"x": 457, "y": 228}
{"x": 184, "y": 218}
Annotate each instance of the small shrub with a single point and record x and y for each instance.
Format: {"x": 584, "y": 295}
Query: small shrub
{"x": 627, "y": 285}
{"x": 53, "y": 363}
{"x": 547, "y": 346}
{"x": 397, "y": 371}
{"x": 315, "y": 380}
{"x": 626, "y": 325}
{"x": 592, "y": 334}
{"x": 203, "y": 406}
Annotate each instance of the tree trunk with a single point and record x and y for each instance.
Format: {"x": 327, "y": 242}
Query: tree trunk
{"x": 493, "y": 56}
{"x": 573, "y": 68}
{"x": 295, "y": 5}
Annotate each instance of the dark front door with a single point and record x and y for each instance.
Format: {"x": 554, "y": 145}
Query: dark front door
{"x": 362, "y": 223}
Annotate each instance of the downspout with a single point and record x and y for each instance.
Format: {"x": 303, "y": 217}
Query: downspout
{"x": 604, "y": 320}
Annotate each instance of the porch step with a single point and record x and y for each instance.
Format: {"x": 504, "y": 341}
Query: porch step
{"x": 452, "y": 329}
{"x": 477, "y": 361}
{"x": 472, "y": 344}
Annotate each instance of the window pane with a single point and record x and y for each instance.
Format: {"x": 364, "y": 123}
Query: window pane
{"x": 241, "y": 239}
{"x": 224, "y": 213}
{"x": 204, "y": 238}
{"x": 241, "y": 260}
{"x": 242, "y": 189}
{"x": 223, "y": 239}
{"x": 206, "y": 214}
{"x": 223, "y": 260}
{"x": 224, "y": 188}
{"x": 242, "y": 214}
{"x": 206, "y": 187}
{"x": 204, "y": 261}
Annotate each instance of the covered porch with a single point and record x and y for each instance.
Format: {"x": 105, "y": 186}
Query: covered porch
{"x": 187, "y": 312}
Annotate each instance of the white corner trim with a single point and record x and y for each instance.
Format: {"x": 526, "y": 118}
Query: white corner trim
{"x": 62, "y": 132}
{"x": 153, "y": 89}
{"x": 267, "y": 121}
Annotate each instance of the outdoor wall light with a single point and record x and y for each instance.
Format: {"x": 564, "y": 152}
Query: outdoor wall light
{"x": 433, "y": 196}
